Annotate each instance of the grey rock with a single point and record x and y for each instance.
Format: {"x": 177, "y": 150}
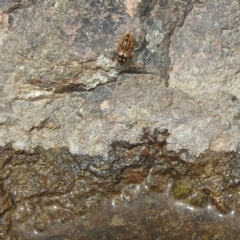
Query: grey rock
{"x": 57, "y": 55}
{"x": 76, "y": 127}
{"x": 206, "y": 67}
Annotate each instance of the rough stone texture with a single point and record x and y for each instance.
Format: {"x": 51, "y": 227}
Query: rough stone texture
{"x": 57, "y": 57}
{"x": 205, "y": 65}
{"x": 77, "y": 130}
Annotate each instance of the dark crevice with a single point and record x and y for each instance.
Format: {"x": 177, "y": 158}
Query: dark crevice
{"x": 13, "y": 8}
{"x": 16, "y": 4}
{"x": 39, "y": 126}
{"x": 133, "y": 71}
{"x": 146, "y": 7}
{"x": 182, "y": 9}
{"x": 78, "y": 87}
{"x": 61, "y": 87}
{"x": 71, "y": 88}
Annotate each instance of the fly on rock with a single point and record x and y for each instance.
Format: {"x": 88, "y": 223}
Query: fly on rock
{"x": 125, "y": 48}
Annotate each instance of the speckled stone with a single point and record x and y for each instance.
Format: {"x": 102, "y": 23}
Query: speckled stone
{"x": 91, "y": 148}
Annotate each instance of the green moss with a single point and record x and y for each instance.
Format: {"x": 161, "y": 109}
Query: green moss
{"x": 196, "y": 200}
{"x": 181, "y": 189}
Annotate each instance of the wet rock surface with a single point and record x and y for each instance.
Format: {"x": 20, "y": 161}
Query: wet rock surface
{"x": 93, "y": 149}
{"x": 46, "y": 188}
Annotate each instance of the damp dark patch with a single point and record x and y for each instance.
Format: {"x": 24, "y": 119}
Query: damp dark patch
{"x": 45, "y": 187}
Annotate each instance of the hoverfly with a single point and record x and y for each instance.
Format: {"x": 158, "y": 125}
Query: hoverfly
{"x": 125, "y": 48}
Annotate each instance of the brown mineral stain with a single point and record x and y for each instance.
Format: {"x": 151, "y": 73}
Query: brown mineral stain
{"x": 134, "y": 178}
{"x": 135, "y": 175}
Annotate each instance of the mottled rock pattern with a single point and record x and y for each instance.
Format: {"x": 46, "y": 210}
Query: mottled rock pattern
{"x": 205, "y": 65}
{"x": 77, "y": 129}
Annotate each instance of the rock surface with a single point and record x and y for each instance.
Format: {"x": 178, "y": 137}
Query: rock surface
{"x": 77, "y": 129}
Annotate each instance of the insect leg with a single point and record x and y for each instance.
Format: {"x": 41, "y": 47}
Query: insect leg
{"x": 114, "y": 56}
